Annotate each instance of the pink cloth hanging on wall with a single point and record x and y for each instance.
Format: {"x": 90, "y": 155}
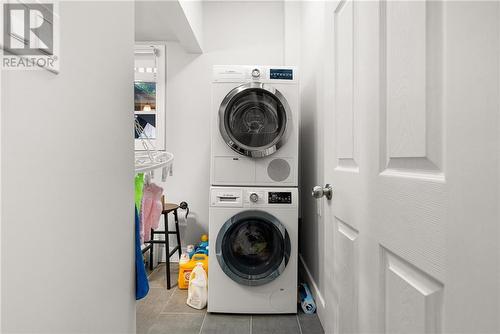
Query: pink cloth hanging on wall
{"x": 151, "y": 210}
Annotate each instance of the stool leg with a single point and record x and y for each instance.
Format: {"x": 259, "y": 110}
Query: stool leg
{"x": 167, "y": 252}
{"x": 177, "y": 233}
{"x": 151, "y": 252}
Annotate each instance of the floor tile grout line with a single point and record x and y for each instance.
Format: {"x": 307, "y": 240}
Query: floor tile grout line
{"x": 169, "y": 297}
{"x": 180, "y": 313}
{"x": 203, "y": 322}
{"x": 166, "y": 302}
{"x": 298, "y": 323}
{"x": 152, "y": 272}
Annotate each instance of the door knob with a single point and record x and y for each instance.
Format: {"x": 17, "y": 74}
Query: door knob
{"x": 319, "y": 191}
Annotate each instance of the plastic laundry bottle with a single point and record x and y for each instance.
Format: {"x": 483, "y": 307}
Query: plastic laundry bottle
{"x": 198, "y": 288}
{"x": 190, "y": 250}
{"x": 184, "y": 259}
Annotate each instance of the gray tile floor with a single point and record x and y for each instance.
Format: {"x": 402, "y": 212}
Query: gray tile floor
{"x": 165, "y": 311}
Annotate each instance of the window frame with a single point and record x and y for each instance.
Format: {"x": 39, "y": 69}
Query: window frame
{"x": 161, "y": 87}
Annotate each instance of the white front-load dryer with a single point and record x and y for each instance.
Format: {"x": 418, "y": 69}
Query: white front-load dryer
{"x": 253, "y": 235}
{"x": 255, "y": 126}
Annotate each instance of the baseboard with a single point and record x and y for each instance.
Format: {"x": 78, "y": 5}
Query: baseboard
{"x": 318, "y": 297}
{"x": 174, "y": 258}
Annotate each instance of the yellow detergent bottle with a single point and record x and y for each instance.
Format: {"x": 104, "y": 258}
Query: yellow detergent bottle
{"x": 185, "y": 269}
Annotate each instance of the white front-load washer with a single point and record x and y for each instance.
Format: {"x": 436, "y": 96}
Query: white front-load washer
{"x": 253, "y": 251}
{"x": 255, "y": 126}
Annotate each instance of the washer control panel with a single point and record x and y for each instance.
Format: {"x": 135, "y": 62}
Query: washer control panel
{"x": 253, "y": 197}
{"x": 279, "y": 197}
{"x": 252, "y": 73}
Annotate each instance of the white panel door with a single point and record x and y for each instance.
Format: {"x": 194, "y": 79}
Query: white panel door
{"x": 343, "y": 216}
{"x": 412, "y": 151}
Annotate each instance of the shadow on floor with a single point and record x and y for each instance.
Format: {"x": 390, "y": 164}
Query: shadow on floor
{"x": 165, "y": 311}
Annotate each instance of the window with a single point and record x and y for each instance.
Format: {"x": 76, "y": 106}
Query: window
{"x": 149, "y": 94}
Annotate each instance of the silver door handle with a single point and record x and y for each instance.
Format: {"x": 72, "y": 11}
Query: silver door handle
{"x": 319, "y": 191}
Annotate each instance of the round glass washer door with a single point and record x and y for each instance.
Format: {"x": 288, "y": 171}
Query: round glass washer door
{"x": 254, "y": 119}
{"x": 253, "y": 247}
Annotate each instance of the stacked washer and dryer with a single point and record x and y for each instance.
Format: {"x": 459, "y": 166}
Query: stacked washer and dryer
{"x": 253, "y": 225}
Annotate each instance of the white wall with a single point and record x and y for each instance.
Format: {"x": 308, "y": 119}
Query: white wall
{"x": 173, "y": 20}
{"x": 230, "y": 36}
{"x": 311, "y": 143}
{"x": 193, "y": 10}
{"x": 67, "y": 170}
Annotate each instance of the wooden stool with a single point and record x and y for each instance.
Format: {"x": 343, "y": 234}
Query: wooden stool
{"x": 167, "y": 208}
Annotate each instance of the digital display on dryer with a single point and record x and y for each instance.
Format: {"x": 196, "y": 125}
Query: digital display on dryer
{"x": 280, "y": 198}
{"x": 281, "y": 74}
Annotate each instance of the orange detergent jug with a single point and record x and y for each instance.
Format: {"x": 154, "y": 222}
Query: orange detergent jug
{"x": 186, "y": 268}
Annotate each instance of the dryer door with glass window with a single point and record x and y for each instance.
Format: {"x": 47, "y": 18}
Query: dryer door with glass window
{"x": 253, "y": 247}
{"x": 254, "y": 119}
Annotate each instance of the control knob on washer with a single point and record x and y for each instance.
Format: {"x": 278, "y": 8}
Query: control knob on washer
{"x": 254, "y": 197}
{"x": 255, "y": 73}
